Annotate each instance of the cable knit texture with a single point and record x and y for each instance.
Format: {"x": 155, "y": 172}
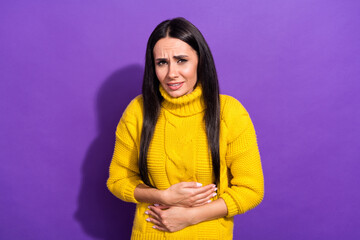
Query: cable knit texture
{"x": 179, "y": 152}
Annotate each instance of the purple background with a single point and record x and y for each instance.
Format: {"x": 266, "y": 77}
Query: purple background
{"x": 69, "y": 68}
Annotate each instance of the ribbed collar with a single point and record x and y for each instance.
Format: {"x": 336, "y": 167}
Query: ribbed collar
{"x": 185, "y": 105}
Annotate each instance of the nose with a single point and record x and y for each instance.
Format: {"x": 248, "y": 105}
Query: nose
{"x": 173, "y": 71}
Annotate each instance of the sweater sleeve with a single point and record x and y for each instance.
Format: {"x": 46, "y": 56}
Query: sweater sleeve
{"x": 124, "y": 172}
{"x": 246, "y": 183}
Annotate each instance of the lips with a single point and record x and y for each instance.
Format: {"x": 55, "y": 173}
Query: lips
{"x": 175, "y": 86}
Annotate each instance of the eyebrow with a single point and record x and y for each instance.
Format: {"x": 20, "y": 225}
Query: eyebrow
{"x": 176, "y": 57}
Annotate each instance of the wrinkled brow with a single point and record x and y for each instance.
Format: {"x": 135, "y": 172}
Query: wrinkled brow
{"x": 176, "y": 57}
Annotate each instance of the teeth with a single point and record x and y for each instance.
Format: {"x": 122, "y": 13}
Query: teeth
{"x": 173, "y": 85}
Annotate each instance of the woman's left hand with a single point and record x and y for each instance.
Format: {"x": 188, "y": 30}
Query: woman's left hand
{"x": 170, "y": 219}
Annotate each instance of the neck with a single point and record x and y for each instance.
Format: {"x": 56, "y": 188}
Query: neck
{"x": 185, "y": 105}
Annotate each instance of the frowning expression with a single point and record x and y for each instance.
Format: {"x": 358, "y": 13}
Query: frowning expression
{"x": 175, "y": 66}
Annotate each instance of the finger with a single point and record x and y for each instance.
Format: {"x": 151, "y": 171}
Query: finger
{"x": 156, "y": 210}
{"x": 201, "y": 203}
{"x": 205, "y": 188}
{"x": 191, "y": 184}
{"x": 153, "y": 215}
{"x": 205, "y": 196}
{"x": 205, "y": 200}
{"x": 211, "y": 185}
{"x": 160, "y": 228}
{"x": 155, "y": 222}
{"x": 208, "y": 188}
{"x": 157, "y": 225}
{"x": 162, "y": 207}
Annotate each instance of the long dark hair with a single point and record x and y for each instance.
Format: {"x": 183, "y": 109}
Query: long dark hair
{"x": 181, "y": 29}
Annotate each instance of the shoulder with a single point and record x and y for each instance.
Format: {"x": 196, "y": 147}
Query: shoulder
{"x": 230, "y": 105}
{"x": 234, "y": 115}
{"x": 134, "y": 110}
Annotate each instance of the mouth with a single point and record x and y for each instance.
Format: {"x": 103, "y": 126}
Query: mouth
{"x": 175, "y": 86}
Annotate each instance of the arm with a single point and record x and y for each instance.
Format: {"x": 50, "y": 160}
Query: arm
{"x": 144, "y": 193}
{"x": 246, "y": 188}
{"x": 172, "y": 219}
{"x": 185, "y": 194}
{"x": 124, "y": 174}
{"x": 213, "y": 210}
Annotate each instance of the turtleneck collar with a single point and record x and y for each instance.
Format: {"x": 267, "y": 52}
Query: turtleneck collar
{"x": 185, "y": 105}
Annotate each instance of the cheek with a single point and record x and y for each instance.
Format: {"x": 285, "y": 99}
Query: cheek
{"x": 159, "y": 74}
{"x": 191, "y": 71}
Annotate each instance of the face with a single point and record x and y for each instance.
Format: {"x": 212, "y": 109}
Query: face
{"x": 175, "y": 66}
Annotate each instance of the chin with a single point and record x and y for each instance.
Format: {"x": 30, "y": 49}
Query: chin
{"x": 176, "y": 94}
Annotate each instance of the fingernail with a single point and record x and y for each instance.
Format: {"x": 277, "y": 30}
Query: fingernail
{"x": 198, "y": 184}
{"x": 146, "y": 212}
{"x": 148, "y": 219}
{"x": 208, "y": 201}
{"x": 215, "y": 189}
{"x": 156, "y": 205}
{"x": 148, "y": 206}
{"x": 154, "y": 227}
{"x": 214, "y": 194}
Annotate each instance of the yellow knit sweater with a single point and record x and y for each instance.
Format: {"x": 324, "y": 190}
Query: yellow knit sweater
{"x": 179, "y": 152}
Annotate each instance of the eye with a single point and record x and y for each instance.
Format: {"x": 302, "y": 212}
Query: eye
{"x": 161, "y": 62}
{"x": 182, "y": 60}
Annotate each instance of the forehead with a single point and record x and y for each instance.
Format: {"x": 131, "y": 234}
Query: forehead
{"x": 172, "y": 46}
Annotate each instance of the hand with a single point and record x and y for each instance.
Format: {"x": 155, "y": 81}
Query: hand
{"x": 169, "y": 219}
{"x": 188, "y": 194}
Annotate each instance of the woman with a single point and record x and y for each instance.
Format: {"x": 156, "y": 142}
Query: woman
{"x": 186, "y": 155}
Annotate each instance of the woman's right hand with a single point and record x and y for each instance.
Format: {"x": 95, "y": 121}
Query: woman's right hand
{"x": 188, "y": 194}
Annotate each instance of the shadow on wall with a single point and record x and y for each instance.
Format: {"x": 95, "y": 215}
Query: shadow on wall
{"x": 102, "y": 215}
